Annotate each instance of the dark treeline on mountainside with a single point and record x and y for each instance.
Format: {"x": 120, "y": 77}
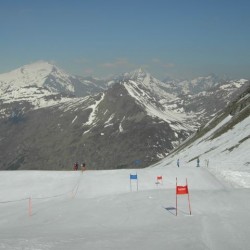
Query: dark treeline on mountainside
{"x": 130, "y": 121}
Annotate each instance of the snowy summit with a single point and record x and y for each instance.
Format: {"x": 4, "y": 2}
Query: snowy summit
{"x": 40, "y": 74}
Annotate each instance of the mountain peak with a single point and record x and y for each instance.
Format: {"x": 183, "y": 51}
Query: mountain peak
{"x": 28, "y": 72}
{"x": 40, "y": 74}
{"x": 139, "y": 73}
{"x": 36, "y": 67}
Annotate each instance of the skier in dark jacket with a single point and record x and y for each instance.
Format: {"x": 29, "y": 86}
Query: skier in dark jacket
{"x": 75, "y": 166}
{"x": 83, "y": 166}
{"x": 198, "y": 162}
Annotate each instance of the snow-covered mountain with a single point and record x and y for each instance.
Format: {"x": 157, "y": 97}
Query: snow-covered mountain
{"x": 31, "y": 79}
{"x": 39, "y": 74}
{"x": 194, "y": 86}
{"x": 222, "y": 144}
{"x": 131, "y": 116}
{"x": 152, "y": 95}
{"x": 42, "y": 84}
{"x": 134, "y": 120}
{"x": 112, "y": 123}
{"x": 144, "y": 80}
{"x": 206, "y": 104}
{"x": 201, "y": 98}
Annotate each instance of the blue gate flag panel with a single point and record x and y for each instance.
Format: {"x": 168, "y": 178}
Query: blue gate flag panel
{"x": 133, "y": 177}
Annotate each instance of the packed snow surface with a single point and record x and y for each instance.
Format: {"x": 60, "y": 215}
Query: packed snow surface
{"x": 101, "y": 210}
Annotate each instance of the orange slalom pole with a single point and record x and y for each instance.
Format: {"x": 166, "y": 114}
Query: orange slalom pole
{"x": 176, "y": 195}
{"x": 188, "y": 198}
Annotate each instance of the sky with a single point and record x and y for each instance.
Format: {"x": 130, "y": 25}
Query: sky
{"x": 176, "y": 38}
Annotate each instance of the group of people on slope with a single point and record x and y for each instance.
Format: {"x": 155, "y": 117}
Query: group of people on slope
{"x": 76, "y": 165}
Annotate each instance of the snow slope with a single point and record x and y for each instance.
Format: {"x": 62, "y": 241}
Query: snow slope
{"x": 97, "y": 210}
{"x": 227, "y": 156}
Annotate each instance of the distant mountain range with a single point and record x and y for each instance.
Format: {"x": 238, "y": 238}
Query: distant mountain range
{"x": 50, "y": 119}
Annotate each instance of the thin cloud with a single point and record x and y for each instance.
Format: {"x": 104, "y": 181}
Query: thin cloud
{"x": 156, "y": 60}
{"x": 168, "y": 65}
{"x": 120, "y": 62}
{"x": 163, "y": 64}
{"x": 81, "y": 61}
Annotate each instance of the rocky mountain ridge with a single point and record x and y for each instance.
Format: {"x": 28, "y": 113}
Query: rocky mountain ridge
{"x": 129, "y": 120}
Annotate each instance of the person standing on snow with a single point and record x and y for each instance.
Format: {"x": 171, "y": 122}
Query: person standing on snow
{"x": 83, "y": 167}
{"x": 75, "y": 168}
{"x": 198, "y": 162}
{"x": 178, "y": 163}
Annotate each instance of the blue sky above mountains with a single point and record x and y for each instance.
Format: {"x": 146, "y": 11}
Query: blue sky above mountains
{"x": 102, "y": 38}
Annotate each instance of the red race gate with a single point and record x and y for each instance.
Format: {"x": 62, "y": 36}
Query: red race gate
{"x": 182, "y": 190}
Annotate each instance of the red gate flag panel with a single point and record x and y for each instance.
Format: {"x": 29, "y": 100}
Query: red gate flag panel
{"x": 182, "y": 189}
{"x": 159, "y": 177}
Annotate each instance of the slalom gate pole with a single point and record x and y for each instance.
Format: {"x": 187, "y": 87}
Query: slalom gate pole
{"x": 133, "y": 177}
{"x": 30, "y": 207}
{"x": 176, "y": 195}
{"x": 188, "y": 198}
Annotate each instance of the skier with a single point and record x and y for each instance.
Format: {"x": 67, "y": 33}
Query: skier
{"x": 178, "y": 163}
{"x": 75, "y": 168}
{"x": 198, "y": 162}
{"x": 83, "y": 167}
